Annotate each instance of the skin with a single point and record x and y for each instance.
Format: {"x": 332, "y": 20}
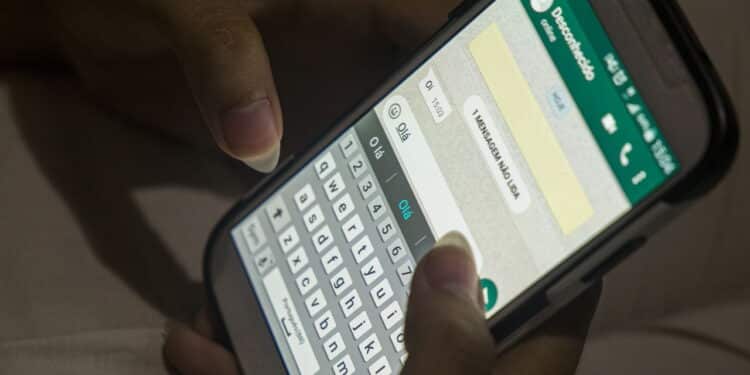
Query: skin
{"x": 185, "y": 66}
{"x": 446, "y": 332}
{"x": 221, "y": 71}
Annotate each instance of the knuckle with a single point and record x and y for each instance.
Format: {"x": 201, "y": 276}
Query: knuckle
{"x": 213, "y": 24}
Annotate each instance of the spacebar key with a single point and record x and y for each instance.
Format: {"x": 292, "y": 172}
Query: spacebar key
{"x": 288, "y": 320}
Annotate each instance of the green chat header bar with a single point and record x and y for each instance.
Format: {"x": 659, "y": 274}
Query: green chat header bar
{"x": 615, "y": 112}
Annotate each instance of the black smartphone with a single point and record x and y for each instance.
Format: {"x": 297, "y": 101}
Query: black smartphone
{"x": 556, "y": 135}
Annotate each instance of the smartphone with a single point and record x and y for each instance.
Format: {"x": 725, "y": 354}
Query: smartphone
{"x": 556, "y": 135}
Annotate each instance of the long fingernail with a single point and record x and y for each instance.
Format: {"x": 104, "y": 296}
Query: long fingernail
{"x": 250, "y": 134}
{"x": 450, "y": 267}
{"x": 266, "y": 162}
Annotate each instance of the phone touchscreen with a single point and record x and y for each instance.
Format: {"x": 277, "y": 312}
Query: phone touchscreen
{"x": 525, "y": 132}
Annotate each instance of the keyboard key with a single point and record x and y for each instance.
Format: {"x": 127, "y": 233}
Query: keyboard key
{"x": 348, "y": 145}
{"x": 315, "y": 303}
{"x": 285, "y": 312}
{"x": 297, "y": 260}
{"x": 313, "y": 218}
{"x": 372, "y": 271}
{"x": 288, "y": 239}
{"x": 357, "y": 166}
{"x": 353, "y": 228}
{"x": 362, "y": 249}
{"x": 386, "y": 229}
{"x": 343, "y": 207}
{"x": 376, "y": 208}
{"x": 334, "y": 186}
{"x": 360, "y": 325}
{"x": 370, "y": 347}
{"x": 306, "y": 281}
{"x": 264, "y": 261}
{"x": 278, "y": 213}
{"x": 405, "y": 273}
{"x": 322, "y": 239}
{"x": 391, "y": 315}
{"x": 398, "y": 339}
{"x": 350, "y": 303}
{"x": 341, "y": 281}
{"x": 304, "y": 198}
{"x": 325, "y": 324}
{"x": 331, "y": 260}
{"x": 396, "y": 251}
{"x": 253, "y": 234}
{"x": 381, "y": 293}
{"x": 325, "y": 165}
{"x": 380, "y": 367}
{"x": 344, "y": 366}
{"x": 367, "y": 187}
{"x": 334, "y": 346}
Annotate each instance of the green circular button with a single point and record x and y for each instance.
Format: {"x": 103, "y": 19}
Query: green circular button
{"x": 489, "y": 291}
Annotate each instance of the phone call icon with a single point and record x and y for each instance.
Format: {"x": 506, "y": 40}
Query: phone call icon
{"x": 625, "y": 154}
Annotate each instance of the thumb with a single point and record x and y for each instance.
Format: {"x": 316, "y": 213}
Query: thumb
{"x": 446, "y": 332}
{"x": 227, "y": 67}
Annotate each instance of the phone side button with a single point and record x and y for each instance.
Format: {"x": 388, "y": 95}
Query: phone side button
{"x": 629, "y": 248}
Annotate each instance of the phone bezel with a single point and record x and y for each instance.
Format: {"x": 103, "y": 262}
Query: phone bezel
{"x": 717, "y": 150}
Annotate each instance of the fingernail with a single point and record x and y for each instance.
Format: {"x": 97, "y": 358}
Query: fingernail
{"x": 250, "y": 134}
{"x": 450, "y": 267}
{"x": 454, "y": 239}
{"x": 266, "y": 162}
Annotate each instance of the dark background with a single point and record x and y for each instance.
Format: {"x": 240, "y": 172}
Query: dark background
{"x": 102, "y": 227}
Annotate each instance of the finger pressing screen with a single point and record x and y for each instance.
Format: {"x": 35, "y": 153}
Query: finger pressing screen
{"x": 446, "y": 331}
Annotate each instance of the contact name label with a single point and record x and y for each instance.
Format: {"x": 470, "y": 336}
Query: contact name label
{"x": 496, "y": 155}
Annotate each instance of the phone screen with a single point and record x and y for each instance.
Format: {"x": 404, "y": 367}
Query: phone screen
{"x": 524, "y": 132}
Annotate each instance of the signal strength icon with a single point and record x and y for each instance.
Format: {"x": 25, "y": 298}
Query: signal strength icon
{"x": 634, "y": 109}
{"x": 629, "y": 93}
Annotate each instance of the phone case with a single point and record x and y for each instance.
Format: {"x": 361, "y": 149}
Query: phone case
{"x": 577, "y": 275}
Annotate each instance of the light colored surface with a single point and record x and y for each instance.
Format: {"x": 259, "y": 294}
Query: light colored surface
{"x": 102, "y": 231}
{"x": 92, "y": 215}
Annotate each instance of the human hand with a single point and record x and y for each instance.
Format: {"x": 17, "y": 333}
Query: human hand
{"x": 446, "y": 332}
{"x": 227, "y": 65}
